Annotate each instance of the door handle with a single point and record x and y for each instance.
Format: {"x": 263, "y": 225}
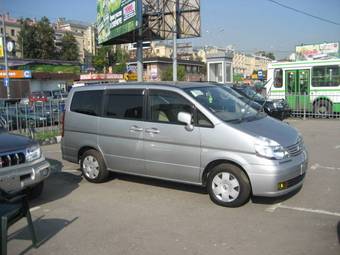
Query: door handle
{"x": 136, "y": 129}
{"x": 152, "y": 131}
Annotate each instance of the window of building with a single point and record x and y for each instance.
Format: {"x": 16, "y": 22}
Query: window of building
{"x": 124, "y": 104}
{"x": 326, "y": 76}
{"x": 87, "y": 102}
{"x": 278, "y": 81}
{"x": 164, "y": 106}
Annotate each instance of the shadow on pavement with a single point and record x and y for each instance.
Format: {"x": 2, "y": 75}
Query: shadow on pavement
{"x": 160, "y": 183}
{"x": 338, "y": 231}
{"x": 58, "y": 185}
{"x": 45, "y": 229}
{"x": 274, "y": 200}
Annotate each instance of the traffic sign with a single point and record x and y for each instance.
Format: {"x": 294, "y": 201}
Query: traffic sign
{"x": 260, "y": 74}
{"x": 6, "y": 82}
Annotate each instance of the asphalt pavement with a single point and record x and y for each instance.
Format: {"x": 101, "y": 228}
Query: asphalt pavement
{"x": 133, "y": 215}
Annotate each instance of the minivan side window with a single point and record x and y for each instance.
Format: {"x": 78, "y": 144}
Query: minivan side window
{"x": 124, "y": 104}
{"x": 164, "y": 106}
{"x": 87, "y": 102}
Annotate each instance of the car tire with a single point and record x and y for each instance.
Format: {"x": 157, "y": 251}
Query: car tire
{"x": 34, "y": 191}
{"x": 228, "y": 185}
{"x": 93, "y": 167}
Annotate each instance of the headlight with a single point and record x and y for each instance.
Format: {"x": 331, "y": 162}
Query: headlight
{"x": 277, "y": 105}
{"x": 33, "y": 153}
{"x": 270, "y": 149}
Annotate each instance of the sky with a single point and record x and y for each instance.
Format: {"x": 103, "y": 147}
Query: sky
{"x": 247, "y": 25}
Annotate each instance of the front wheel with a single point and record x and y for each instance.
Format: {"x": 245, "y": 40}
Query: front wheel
{"x": 228, "y": 186}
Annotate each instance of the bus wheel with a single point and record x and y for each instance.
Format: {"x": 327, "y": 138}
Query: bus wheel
{"x": 322, "y": 108}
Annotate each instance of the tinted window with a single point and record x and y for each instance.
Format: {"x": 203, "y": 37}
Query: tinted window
{"x": 124, "y": 104}
{"x": 203, "y": 121}
{"x": 87, "y": 102}
{"x": 326, "y": 76}
{"x": 164, "y": 106}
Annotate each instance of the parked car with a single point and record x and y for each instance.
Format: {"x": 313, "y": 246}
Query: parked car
{"x": 37, "y": 96}
{"x": 275, "y": 108}
{"x": 22, "y": 164}
{"x": 193, "y": 133}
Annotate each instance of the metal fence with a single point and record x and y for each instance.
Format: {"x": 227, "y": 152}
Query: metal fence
{"x": 326, "y": 105}
{"x": 33, "y": 117}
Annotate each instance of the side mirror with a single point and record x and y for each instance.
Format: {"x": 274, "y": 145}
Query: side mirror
{"x": 185, "y": 118}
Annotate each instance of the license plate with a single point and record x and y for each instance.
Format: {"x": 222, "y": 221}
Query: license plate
{"x": 10, "y": 183}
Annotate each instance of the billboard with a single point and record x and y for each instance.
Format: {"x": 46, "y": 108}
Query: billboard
{"x": 115, "y": 18}
{"x": 317, "y": 51}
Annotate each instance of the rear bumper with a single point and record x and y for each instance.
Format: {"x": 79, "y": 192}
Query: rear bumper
{"x": 19, "y": 177}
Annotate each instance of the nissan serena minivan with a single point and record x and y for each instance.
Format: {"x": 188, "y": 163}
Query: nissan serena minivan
{"x": 195, "y": 133}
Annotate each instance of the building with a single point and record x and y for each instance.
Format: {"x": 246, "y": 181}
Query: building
{"x": 85, "y": 35}
{"x": 12, "y": 30}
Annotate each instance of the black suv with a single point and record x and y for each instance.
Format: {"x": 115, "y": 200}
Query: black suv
{"x": 22, "y": 164}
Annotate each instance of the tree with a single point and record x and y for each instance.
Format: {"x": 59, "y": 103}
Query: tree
{"x": 266, "y": 54}
{"x": 27, "y": 39}
{"x": 45, "y": 39}
{"x": 101, "y": 59}
{"x": 167, "y": 74}
{"x": 120, "y": 57}
{"x": 69, "y": 49}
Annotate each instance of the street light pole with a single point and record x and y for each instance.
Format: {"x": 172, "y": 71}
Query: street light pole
{"x": 140, "y": 42}
{"x": 174, "y": 51}
{"x": 5, "y": 54}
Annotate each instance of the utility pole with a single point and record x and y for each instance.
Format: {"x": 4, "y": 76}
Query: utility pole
{"x": 174, "y": 51}
{"x": 5, "y": 54}
{"x": 140, "y": 41}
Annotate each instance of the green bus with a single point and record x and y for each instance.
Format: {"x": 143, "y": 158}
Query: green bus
{"x": 311, "y": 86}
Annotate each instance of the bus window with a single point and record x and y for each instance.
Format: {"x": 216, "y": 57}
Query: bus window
{"x": 278, "y": 78}
{"x": 326, "y": 76}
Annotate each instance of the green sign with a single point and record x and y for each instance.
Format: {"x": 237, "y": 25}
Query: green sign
{"x": 115, "y": 18}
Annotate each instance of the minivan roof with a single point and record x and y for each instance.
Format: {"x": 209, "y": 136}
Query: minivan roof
{"x": 180, "y": 85}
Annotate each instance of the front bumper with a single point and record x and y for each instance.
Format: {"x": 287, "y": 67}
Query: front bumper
{"x": 18, "y": 177}
{"x": 265, "y": 180}
{"x": 280, "y": 113}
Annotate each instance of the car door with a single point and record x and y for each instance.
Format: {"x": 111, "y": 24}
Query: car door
{"x": 120, "y": 134}
{"x": 171, "y": 152}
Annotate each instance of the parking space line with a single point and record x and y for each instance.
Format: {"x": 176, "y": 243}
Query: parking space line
{"x": 272, "y": 209}
{"x": 309, "y": 210}
{"x": 317, "y": 166}
{"x": 34, "y": 208}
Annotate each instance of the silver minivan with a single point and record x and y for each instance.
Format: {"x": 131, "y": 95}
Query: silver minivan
{"x": 195, "y": 133}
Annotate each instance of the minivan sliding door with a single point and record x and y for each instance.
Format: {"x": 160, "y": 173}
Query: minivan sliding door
{"x": 121, "y": 130}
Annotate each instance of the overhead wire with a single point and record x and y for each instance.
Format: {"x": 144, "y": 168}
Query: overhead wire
{"x": 304, "y": 12}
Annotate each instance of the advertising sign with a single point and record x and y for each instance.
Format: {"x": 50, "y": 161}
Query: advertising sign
{"x": 17, "y": 74}
{"x": 317, "y": 51}
{"x": 115, "y": 18}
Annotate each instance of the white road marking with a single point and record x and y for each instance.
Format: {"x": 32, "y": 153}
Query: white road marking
{"x": 309, "y": 210}
{"x": 34, "y": 208}
{"x": 317, "y": 166}
{"x": 272, "y": 208}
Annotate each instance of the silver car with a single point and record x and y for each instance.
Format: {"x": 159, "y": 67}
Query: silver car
{"x": 193, "y": 133}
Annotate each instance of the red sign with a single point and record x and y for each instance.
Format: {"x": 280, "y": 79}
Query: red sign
{"x": 101, "y": 76}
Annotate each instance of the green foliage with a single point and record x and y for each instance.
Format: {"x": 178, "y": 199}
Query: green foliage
{"x": 101, "y": 60}
{"x": 52, "y": 68}
{"x": 41, "y": 136}
{"x": 37, "y": 39}
{"x": 266, "y": 54}
{"x": 167, "y": 74}
{"x": 237, "y": 77}
{"x": 69, "y": 48}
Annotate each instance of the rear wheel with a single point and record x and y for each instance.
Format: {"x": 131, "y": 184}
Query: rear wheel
{"x": 322, "y": 108}
{"x": 228, "y": 185}
{"x": 93, "y": 167}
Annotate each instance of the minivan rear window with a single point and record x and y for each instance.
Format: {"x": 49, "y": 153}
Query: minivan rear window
{"x": 87, "y": 102}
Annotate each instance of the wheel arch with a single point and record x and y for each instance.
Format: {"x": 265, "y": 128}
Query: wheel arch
{"x": 217, "y": 162}
{"x": 83, "y": 149}
{"x": 322, "y": 98}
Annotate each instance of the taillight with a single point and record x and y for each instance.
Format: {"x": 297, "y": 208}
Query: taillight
{"x": 62, "y": 124}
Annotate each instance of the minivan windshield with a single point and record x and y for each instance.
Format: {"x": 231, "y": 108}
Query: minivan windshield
{"x": 224, "y": 105}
